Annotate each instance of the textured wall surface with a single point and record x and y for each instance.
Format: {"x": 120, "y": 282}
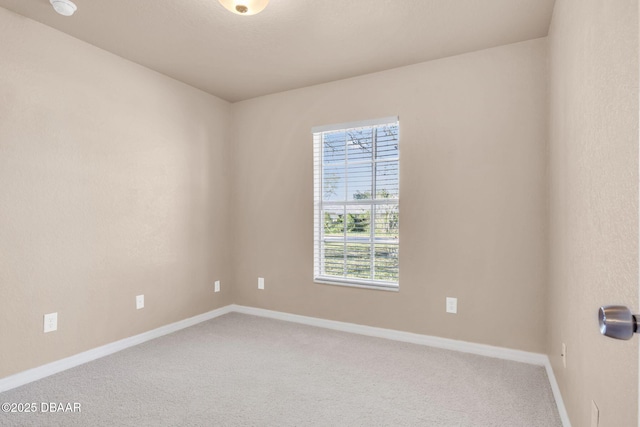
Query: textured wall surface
{"x": 113, "y": 183}
{"x": 473, "y": 197}
{"x": 593, "y": 203}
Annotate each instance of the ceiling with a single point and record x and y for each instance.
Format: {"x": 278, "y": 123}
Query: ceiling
{"x": 292, "y": 43}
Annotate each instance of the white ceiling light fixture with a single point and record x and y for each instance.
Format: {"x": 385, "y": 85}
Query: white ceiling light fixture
{"x": 64, "y": 7}
{"x": 245, "y": 7}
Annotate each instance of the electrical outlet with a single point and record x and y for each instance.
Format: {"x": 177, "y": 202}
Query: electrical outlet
{"x": 260, "y": 282}
{"x": 139, "y": 302}
{"x": 217, "y": 286}
{"x": 595, "y": 415}
{"x": 564, "y": 355}
{"x": 452, "y": 305}
{"x": 50, "y": 322}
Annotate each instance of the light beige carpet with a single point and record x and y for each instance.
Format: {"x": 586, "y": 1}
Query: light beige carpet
{"x": 240, "y": 370}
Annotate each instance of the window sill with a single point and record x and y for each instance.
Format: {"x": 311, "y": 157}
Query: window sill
{"x": 363, "y": 285}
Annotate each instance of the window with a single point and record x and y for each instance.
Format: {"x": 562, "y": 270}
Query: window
{"x": 356, "y": 203}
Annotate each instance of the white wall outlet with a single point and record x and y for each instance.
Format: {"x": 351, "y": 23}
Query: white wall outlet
{"x": 139, "y": 302}
{"x": 595, "y": 415}
{"x": 260, "y": 282}
{"x": 452, "y": 305}
{"x": 50, "y": 322}
{"x": 217, "y": 286}
{"x": 564, "y": 355}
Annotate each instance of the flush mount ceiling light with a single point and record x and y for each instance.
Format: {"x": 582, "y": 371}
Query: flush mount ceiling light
{"x": 244, "y": 7}
{"x": 64, "y": 7}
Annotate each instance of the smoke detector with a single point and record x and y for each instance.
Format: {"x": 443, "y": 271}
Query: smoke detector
{"x": 64, "y": 7}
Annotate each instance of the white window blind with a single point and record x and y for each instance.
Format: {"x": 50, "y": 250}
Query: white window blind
{"x": 356, "y": 203}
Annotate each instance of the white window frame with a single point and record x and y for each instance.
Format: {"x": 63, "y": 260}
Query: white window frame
{"x": 319, "y": 238}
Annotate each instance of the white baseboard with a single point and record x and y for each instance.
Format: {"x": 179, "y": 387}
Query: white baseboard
{"x": 43, "y": 371}
{"x": 444, "y": 343}
{"x": 564, "y": 415}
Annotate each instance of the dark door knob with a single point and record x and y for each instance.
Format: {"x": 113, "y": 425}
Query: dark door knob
{"x": 617, "y": 321}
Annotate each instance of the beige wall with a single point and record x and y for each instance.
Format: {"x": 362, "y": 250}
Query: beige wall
{"x": 473, "y": 197}
{"x": 116, "y": 181}
{"x": 113, "y": 183}
{"x": 593, "y": 203}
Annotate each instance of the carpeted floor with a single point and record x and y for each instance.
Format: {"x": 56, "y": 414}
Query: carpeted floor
{"x": 240, "y": 370}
